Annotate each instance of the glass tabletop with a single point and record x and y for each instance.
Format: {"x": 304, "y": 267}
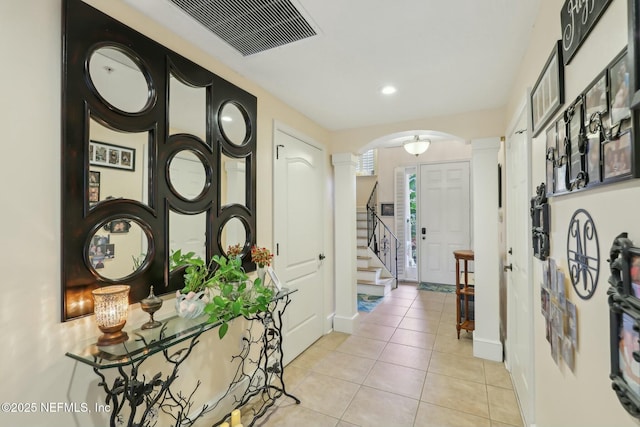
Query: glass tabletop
{"x": 143, "y": 343}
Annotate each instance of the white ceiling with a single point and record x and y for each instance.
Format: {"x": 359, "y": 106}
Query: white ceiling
{"x": 444, "y": 57}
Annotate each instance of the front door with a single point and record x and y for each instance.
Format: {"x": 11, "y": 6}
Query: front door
{"x": 444, "y": 210}
{"x": 519, "y": 344}
{"x": 298, "y": 235}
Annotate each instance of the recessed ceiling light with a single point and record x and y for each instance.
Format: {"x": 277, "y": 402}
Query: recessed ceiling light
{"x": 227, "y": 119}
{"x": 388, "y": 90}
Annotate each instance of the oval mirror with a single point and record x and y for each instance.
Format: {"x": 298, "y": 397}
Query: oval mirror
{"x": 118, "y": 79}
{"x": 187, "y": 109}
{"x": 233, "y": 181}
{"x": 118, "y": 249}
{"x": 187, "y": 174}
{"x": 233, "y": 233}
{"x": 117, "y": 165}
{"x": 234, "y": 123}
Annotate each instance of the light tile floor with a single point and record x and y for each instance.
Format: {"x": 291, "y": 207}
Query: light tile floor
{"x": 403, "y": 366}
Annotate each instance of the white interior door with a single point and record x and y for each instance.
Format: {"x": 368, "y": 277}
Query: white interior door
{"x": 519, "y": 287}
{"x": 444, "y": 211}
{"x": 298, "y": 233}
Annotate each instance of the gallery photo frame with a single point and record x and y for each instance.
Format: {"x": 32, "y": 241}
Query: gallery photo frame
{"x": 624, "y": 310}
{"x": 547, "y": 95}
{"x": 112, "y": 156}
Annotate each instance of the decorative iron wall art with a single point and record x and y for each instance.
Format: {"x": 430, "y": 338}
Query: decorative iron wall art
{"x": 540, "y": 223}
{"x": 593, "y": 141}
{"x": 583, "y": 254}
{"x": 624, "y": 308}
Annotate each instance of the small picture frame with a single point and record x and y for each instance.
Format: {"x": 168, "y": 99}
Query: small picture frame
{"x": 617, "y": 157}
{"x": 94, "y": 188}
{"x": 596, "y": 98}
{"x": 112, "y": 156}
{"x": 118, "y": 226}
{"x": 274, "y": 278}
{"x": 619, "y": 89}
{"x": 552, "y": 152}
{"x": 593, "y": 159}
{"x": 387, "y": 209}
{"x": 548, "y": 93}
{"x": 624, "y": 315}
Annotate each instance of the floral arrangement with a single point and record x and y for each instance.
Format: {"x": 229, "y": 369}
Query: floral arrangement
{"x": 234, "y": 251}
{"x": 261, "y": 256}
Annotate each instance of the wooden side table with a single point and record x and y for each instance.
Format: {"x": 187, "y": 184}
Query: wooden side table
{"x": 465, "y": 291}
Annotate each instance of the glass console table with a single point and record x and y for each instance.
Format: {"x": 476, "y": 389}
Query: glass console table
{"x": 136, "y": 400}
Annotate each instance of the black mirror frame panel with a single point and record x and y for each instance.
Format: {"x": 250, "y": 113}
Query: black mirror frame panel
{"x": 83, "y": 30}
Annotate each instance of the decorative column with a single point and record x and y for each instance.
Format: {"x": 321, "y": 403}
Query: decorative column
{"x": 344, "y": 190}
{"x": 484, "y": 163}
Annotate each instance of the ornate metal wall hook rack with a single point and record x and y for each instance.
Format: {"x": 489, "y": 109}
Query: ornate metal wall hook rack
{"x": 583, "y": 254}
{"x": 540, "y": 223}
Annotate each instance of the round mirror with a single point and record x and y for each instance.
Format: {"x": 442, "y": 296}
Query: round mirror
{"x": 233, "y": 233}
{"x": 187, "y": 174}
{"x": 234, "y": 123}
{"x": 118, "y": 79}
{"x": 118, "y": 249}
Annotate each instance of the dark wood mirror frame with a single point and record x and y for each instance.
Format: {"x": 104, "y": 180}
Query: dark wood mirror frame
{"x": 83, "y": 30}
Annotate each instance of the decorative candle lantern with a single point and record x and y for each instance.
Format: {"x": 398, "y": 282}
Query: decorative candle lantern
{"x": 111, "y": 307}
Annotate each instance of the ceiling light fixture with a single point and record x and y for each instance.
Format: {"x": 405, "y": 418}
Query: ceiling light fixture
{"x": 388, "y": 90}
{"x": 416, "y": 146}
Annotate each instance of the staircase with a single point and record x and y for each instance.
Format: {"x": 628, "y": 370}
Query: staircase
{"x": 373, "y": 277}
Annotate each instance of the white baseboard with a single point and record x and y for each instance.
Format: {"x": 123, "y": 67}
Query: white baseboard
{"x": 487, "y": 349}
{"x": 327, "y": 327}
{"x": 345, "y": 324}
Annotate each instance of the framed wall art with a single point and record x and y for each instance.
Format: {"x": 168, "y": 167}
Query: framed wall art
{"x": 112, "y": 156}
{"x": 624, "y": 309}
{"x": 617, "y": 157}
{"x": 619, "y": 89}
{"x": 548, "y": 93}
{"x": 596, "y": 99}
{"x": 94, "y": 187}
{"x": 577, "y": 19}
{"x": 386, "y": 209}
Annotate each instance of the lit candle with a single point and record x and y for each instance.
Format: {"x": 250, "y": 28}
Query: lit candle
{"x": 235, "y": 418}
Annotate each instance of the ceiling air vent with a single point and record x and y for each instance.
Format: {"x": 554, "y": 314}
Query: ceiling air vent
{"x": 250, "y": 26}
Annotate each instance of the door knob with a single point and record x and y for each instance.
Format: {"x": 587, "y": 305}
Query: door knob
{"x": 508, "y": 267}
{"x": 510, "y": 251}
{"x": 321, "y": 257}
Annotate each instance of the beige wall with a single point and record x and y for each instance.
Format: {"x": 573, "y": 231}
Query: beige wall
{"x": 467, "y": 126}
{"x": 33, "y": 365}
{"x": 583, "y": 397}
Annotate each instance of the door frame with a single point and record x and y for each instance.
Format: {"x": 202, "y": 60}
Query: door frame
{"x": 419, "y": 194}
{"x": 523, "y": 108}
{"x": 327, "y": 263}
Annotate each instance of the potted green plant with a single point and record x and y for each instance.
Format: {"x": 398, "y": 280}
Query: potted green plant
{"x": 193, "y": 297}
{"x": 234, "y": 295}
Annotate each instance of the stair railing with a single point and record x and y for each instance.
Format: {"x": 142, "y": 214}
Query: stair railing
{"x": 380, "y": 238}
